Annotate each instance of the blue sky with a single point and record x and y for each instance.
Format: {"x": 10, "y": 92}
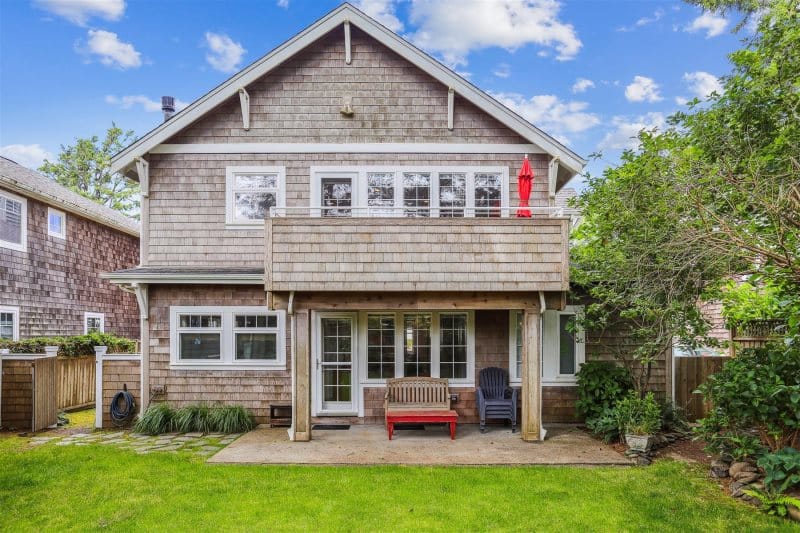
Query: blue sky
{"x": 591, "y": 73}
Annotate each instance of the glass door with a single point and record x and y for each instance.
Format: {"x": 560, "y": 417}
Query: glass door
{"x": 336, "y": 388}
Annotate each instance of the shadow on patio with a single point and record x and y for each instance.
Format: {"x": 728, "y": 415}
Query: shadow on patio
{"x": 369, "y": 444}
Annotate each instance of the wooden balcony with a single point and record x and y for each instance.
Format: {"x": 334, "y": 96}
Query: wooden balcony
{"x": 313, "y": 253}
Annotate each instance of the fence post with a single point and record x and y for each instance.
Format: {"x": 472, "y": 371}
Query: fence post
{"x": 4, "y": 351}
{"x": 99, "y": 352}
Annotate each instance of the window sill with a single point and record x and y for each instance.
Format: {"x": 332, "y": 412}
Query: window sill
{"x": 238, "y": 226}
{"x": 224, "y": 367}
{"x": 13, "y": 246}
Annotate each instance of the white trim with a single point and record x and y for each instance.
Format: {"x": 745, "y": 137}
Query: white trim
{"x": 22, "y": 246}
{"x": 143, "y": 170}
{"x": 347, "y": 54}
{"x": 513, "y": 377}
{"x": 231, "y": 222}
{"x": 122, "y": 161}
{"x": 59, "y": 235}
{"x": 192, "y": 279}
{"x": 88, "y": 315}
{"x": 344, "y": 148}
{"x": 14, "y": 310}
{"x": 550, "y": 347}
{"x": 244, "y": 102}
{"x": 358, "y": 175}
{"x": 227, "y": 332}
{"x": 451, "y": 94}
{"x": 356, "y": 407}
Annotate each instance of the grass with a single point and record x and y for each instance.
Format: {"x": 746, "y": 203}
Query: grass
{"x": 77, "y": 488}
{"x": 81, "y": 419}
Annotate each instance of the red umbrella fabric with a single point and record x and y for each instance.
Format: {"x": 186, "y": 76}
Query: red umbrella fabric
{"x": 524, "y": 183}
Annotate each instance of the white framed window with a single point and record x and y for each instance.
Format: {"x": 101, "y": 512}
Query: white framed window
{"x": 409, "y": 191}
{"x": 563, "y": 346}
{"x": 417, "y": 343}
{"x": 13, "y": 222}
{"x": 94, "y": 322}
{"x": 9, "y": 323}
{"x": 56, "y": 223}
{"x": 224, "y": 337}
{"x": 250, "y": 192}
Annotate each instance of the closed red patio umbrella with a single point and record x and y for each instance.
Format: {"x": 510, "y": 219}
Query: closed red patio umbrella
{"x": 524, "y": 183}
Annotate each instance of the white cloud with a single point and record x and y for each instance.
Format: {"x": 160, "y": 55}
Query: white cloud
{"x": 581, "y": 85}
{"x": 551, "y": 114}
{"x": 384, "y": 11}
{"x": 224, "y": 54}
{"x": 148, "y": 105}
{"x": 80, "y": 11}
{"x": 626, "y": 129}
{"x": 702, "y": 83}
{"x": 642, "y": 89}
{"x": 644, "y": 21}
{"x": 111, "y": 51}
{"x": 27, "y": 155}
{"x": 283, "y": 3}
{"x": 455, "y": 29}
{"x": 503, "y": 70}
{"x": 711, "y": 23}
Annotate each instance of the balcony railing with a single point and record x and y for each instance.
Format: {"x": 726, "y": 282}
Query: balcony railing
{"x": 413, "y": 212}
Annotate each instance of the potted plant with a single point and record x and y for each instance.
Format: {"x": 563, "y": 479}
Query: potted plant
{"x": 639, "y": 420}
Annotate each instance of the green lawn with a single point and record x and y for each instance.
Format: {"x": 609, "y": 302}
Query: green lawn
{"x": 69, "y": 487}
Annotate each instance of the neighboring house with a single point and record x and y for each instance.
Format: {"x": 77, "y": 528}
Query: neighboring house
{"x": 54, "y": 244}
{"x": 340, "y": 212}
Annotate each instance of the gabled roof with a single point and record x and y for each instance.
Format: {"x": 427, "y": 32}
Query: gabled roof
{"x": 25, "y": 182}
{"x": 124, "y": 160}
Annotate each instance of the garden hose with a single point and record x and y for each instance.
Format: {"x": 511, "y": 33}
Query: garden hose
{"x": 121, "y": 416}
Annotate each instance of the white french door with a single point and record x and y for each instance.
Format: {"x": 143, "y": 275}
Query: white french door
{"x": 336, "y": 390}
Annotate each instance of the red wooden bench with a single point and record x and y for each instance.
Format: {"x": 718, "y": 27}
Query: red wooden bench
{"x": 418, "y": 400}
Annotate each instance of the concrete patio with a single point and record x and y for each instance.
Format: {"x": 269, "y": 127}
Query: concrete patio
{"x": 369, "y": 444}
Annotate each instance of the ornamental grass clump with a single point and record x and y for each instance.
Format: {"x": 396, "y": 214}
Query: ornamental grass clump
{"x": 157, "y": 419}
{"x": 201, "y": 418}
{"x": 231, "y": 419}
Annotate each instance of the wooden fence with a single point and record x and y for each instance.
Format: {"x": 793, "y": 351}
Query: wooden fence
{"x": 76, "y": 382}
{"x": 755, "y": 334}
{"x": 690, "y": 373}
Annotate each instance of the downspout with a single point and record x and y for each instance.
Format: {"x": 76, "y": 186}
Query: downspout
{"x": 290, "y": 312}
{"x": 543, "y": 308}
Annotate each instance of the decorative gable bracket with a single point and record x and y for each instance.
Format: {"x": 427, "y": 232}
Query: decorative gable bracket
{"x": 552, "y": 177}
{"x": 451, "y": 99}
{"x": 347, "y": 57}
{"x": 143, "y": 170}
{"x": 244, "y": 100}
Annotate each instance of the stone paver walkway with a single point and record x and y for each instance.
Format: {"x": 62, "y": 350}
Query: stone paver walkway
{"x": 197, "y": 443}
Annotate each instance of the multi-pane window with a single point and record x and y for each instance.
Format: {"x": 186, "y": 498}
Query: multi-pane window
{"x": 452, "y": 194}
{"x": 9, "y": 323}
{"x": 12, "y": 222}
{"x": 56, "y": 223}
{"x": 563, "y": 345}
{"x": 337, "y": 196}
{"x": 488, "y": 194}
{"x": 566, "y": 345}
{"x": 380, "y": 193}
{"x": 337, "y": 354}
{"x": 380, "y": 346}
{"x": 417, "y": 344}
{"x": 453, "y": 345}
{"x": 251, "y": 192}
{"x": 417, "y": 193}
{"x": 255, "y": 336}
{"x": 93, "y": 322}
{"x": 200, "y": 336}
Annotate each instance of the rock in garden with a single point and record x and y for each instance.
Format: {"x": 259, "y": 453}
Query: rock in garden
{"x": 643, "y": 461}
{"x": 719, "y": 469}
{"x": 739, "y": 467}
{"x": 747, "y": 477}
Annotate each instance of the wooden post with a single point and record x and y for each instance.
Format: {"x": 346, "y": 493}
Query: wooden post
{"x": 531, "y": 376}
{"x": 302, "y": 405}
{"x": 99, "y": 353}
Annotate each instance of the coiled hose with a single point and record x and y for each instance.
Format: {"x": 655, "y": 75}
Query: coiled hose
{"x": 120, "y": 416}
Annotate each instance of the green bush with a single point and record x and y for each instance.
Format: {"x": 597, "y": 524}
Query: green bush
{"x": 756, "y": 394}
{"x": 160, "y": 418}
{"x": 782, "y": 469}
{"x": 71, "y": 346}
{"x": 605, "y": 426}
{"x": 638, "y": 416}
{"x": 600, "y": 385}
{"x": 672, "y": 417}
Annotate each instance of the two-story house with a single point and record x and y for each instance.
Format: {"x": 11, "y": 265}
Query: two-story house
{"x": 54, "y": 244}
{"x": 343, "y": 211}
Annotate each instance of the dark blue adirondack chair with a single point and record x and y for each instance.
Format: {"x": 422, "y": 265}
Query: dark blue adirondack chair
{"x": 496, "y": 400}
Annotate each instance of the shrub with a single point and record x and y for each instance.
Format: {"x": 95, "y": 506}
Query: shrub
{"x": 672, "y": 417}
{"x": 755, "y": 393}
{"x": 156, "y": 419}
{"x": 782, "y": 469}
{"x": 600, "y": 385}
{"x": 638, "y": 416}
{"x": 231, "y": 419}
{"x": 605, "y": 426}
{"x": 193, "y": 418}
{"x": 71, "y": 346}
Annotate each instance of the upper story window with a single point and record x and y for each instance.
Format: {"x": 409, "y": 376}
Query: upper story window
{"x": 407, "y": 191}
{"x": 13, "y": 221}
{"x": 251, "y": 192}
{"x": 56, "y": 223}
{"x": 9, "y": 323}
{"x": 94, "y": 323}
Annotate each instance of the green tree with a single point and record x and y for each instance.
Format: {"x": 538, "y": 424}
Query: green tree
{"x": 85, "y": 168}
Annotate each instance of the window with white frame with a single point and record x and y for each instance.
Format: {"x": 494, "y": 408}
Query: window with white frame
{"x": 56, "y": 223}
{"x": 9, "y": 323}
{"x": 251, "y": 192}
{"x": 227, "y": 337}
{"x": 563, "y": 346}
{"x": 406, "y": 191}
{"x": 94, "y": 322}
{"x": 13, "y": 221}
{"x": 419, "y": 343}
